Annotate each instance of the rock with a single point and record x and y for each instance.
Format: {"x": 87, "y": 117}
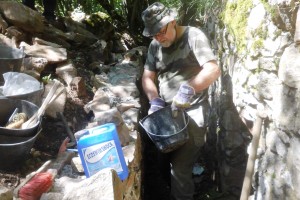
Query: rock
{"x": 99, "y": 80}
{"x": 16, "y": 34}
{"x": 100, "y": 24}
{"x": 5, "y": 193}
{"x": 77, "y": 165}
{"x": 123, "y": 91}
{"x": 52, "y": 54}
{"x": 103, "y": 185}
{"x": 4, "y": 40}
{"x": 33, "y": 73}
{"x": 77, "y": 27}
{"x": 38, "y": 64}
{"x": 83, "y": 40}
{"x": 78, "y": 87}
{"x": 123, "y": 133}
{"x": 128, "y": 152}
{"x": 66, "y": 71}
{"x": 51, "y": 196}
{"x": 21, "y": 16}
{"x": 130, "y": 117}
{"x": 56, "y": 36}
{"x": 297, "y": 31}
{"x": 3, "y": 25}
{"x": 109, "y": 116}
{"x": 100, "y": 102}
{"x": 123, "y": 107}
{"x": 289, "y": 67}
{"x": 44, "y": 42}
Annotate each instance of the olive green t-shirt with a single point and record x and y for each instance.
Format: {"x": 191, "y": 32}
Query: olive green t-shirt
{"x": 180, "y": 62}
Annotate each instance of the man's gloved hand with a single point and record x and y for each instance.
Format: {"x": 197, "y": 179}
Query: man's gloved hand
{"x": 156, "y": 104}
{"x": 183, "y": 97}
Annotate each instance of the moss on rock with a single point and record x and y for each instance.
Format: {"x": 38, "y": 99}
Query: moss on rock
{"x": 235, "y": 17}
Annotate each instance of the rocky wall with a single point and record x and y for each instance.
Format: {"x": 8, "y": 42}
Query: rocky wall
{"x": 258, "y": 53}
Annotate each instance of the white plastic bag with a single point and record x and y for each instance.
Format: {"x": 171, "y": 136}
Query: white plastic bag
{"x": 19, "y": 83}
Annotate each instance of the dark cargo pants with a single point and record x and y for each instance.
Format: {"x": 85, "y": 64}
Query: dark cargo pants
{"x": 182, "y": 161}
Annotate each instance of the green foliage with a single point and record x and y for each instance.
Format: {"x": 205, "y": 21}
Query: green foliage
{"x": 258, "y": 44}
{"x": 98, "y": 17}
{"x": 171, "y": 4}
{"x": 65, "y": 6}
{"x": 235, "y": 18}
{"x": 261, "y": 32}
{"x": 205, "y": 6}
{"x": 46, "y": 79}
{"x": 199, "y": 8}
{"x": 119, "y": 7}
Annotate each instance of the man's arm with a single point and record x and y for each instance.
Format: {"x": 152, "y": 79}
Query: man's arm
{"x": 148, "y": 83}
{"x": 206, "y": 76}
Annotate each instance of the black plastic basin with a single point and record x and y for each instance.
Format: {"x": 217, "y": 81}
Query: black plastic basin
{"x": 7, "y": 108}
{"x": 15, "y": 150}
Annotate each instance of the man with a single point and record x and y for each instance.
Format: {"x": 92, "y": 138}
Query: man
{"x": 49, "y": 7}
{"x": 179, "y": 68}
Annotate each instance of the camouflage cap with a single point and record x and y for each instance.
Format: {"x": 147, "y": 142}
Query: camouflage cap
{"x": 155, "y": 17}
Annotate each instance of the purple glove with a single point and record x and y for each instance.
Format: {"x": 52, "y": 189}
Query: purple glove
{"x": 156, "y": 104}
{"x": 183, "y": 97}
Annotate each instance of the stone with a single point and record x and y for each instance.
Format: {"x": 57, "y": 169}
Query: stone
{"x": 256, "y": 17}
{"x": 267, "y": 63}
{"x": 51, "y": 196}
{"x": 108, "y": 116}
{"x": 78, "y": 86}
{"x": 3, "y": 25}
{"x": 123, "y": 133}
{"x": 52, "y": 54}
{"x": 77, "y": 165}
{"x": 268, "y": 85}
{"x": 22, "y": 16}
{"x": 100, "y": 102}
{"x": 38, "y": 64}
{"x": 66, "y": 71}
{"x": 40, "y": 41}
{"x": 105, "y": 184}
{"x": 16, "y": 34}
{"x": 297, "y": 31}
{"x": 128, "y": 152}
{"x": 99, "y": 80}
{"x": 125, "y": 90}
{"x": 285, "y": 108}
{"x": 289, "y": 67}
{"x": 6, "y": 41}
{"x": 5, "y": 193}
{"x": 130, "y": 117}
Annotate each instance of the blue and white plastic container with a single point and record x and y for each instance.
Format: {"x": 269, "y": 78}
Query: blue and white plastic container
{"x": 100, "y": 148}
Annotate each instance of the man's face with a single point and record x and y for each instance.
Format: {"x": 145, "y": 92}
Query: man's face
{"x": 166, "y": 35}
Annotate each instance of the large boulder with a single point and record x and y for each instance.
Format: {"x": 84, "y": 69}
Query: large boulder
{"x": 21, "y": 16}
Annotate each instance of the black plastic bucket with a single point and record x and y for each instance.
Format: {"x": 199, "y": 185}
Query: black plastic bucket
{"x": 15, "y": 150}
{"x": 11, "y": 60}
{"x": 167, "y": 133}
{"x": 7, "y": 108}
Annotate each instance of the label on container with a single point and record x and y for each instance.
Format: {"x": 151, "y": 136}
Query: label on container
{"x": 100, "y": 156}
